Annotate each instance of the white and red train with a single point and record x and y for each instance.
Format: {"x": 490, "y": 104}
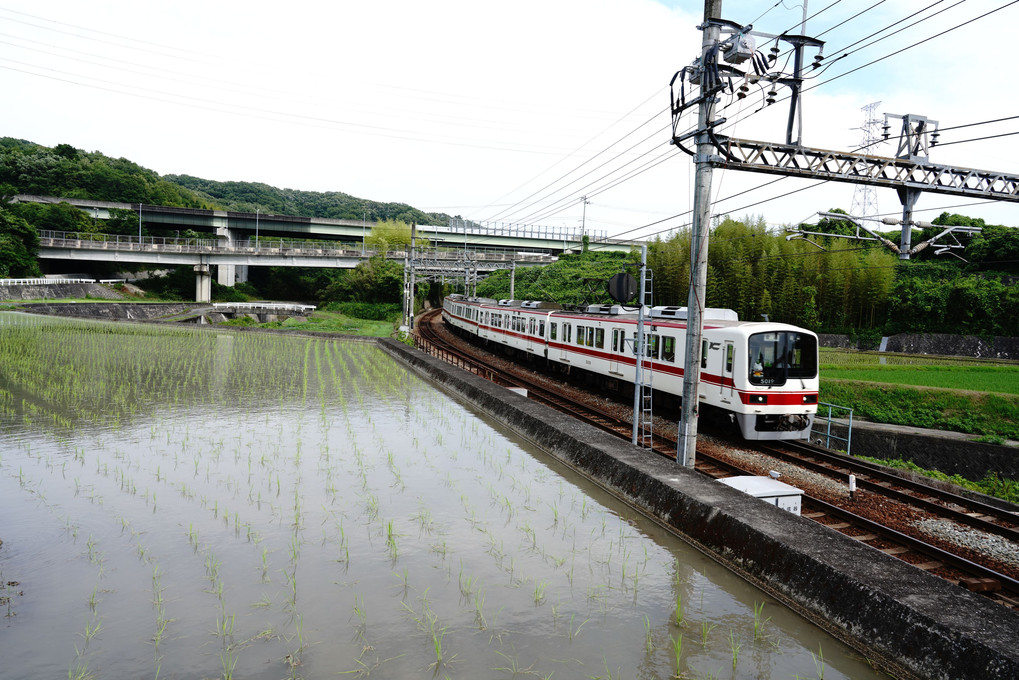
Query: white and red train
{"x": 761, "y": 375}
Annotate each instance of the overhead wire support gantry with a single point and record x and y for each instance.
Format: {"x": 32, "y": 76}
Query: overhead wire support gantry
{"x": 728, "y": 64}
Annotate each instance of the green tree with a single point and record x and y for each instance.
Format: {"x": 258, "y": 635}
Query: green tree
{"x": 392, "y": 234}
{"x": 831, "y": 225}
{"x": 377, "y": 280}
{"x": 996, "y": 245}
{"x": 19, "y": 245}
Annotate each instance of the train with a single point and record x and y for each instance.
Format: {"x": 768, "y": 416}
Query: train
{"x": 759, "y": 375}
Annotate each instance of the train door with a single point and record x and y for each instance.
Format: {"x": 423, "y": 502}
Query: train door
{"x": 728, "y": 359}
{"x": 618, "y": 342}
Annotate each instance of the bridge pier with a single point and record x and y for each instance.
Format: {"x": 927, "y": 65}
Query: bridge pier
{"x": 226, "y": 274}
{"x": 203, "y": 283}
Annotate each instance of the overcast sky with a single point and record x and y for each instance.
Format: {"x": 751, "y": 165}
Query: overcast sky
{"x": 508, "y": 112}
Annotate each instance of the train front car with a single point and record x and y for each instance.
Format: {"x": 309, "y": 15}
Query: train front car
{"x": 775, "y": 381}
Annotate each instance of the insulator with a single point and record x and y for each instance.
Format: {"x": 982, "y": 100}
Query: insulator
{"x": 934, "y": 138}
{"x": 771, "y": 96}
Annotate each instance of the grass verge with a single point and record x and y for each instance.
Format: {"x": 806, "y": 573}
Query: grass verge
{"x": 324, "y": 322}
{"x": 990, "y": 485}
{"x": 994, "y": 416}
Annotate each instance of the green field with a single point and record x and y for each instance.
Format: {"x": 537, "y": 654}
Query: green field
{"x": 1002, "y": 379}
{"x": 947, "y": 393}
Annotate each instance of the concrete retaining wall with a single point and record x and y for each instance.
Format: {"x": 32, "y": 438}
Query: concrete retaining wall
{"x": 949, "y": 452}
{"x": 58, "y": 291}
{"x": 940, "y": 344}
{"x": 109, "y": 310}
{"x": 910, "y": 622}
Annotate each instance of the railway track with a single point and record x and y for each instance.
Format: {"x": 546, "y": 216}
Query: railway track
{"x": 876, "y": 486}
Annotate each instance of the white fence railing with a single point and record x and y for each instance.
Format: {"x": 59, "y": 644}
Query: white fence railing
{"x": 264, "y": 306}
{"x": 271, "y": 247}
{"x": 41, "y": 282}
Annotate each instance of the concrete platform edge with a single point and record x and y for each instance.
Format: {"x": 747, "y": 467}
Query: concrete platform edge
{"x": 906, "y": 621}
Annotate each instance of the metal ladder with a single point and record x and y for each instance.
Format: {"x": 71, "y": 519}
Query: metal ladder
{"x": 645, "y": 379}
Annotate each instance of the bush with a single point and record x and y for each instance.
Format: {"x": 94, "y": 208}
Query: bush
{"x": 371, "y": 311}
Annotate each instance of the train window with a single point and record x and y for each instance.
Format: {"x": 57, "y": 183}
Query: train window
{"x": 669, "y": 348}
{"x": 775, "y": 357}
{"x": 541, "y": 328}
{"x": 652, "y": 345}
{"x": 704, "y": 354}
{"x": 617, "y": 340}
{"x": 567, "y": 333}
{"x": 590, "y": 336}
{"x": 580, "y": 334}
{"x": 728, "y": 358}
{"x": 599, "y": 338}
{"x": 552, "y": 330}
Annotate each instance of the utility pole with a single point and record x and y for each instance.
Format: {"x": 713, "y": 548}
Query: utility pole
{"x": 583, "y": 216}
{"x": 686, "y": 453}
{"x": 413, "y": 237}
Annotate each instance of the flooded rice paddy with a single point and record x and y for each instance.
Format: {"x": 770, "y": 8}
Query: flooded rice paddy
{"x": 195, "y": 504}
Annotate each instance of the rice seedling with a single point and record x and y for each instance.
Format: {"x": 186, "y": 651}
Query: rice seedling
{"x": 391, "y": 542}
{"x": 92, "y": 630}
{"x": 818, "y": 662}
{"x": 574, "y": 632}
{"x": 80, "y": 671}
{"x": 677, "y": 653}
{"x": 229, "y": 662}
{"x": 706, "y": 629}
{"x": 479, "y": 610}
{"x": 649, "y": 643}
{"x": 759, "y": 620}
{"x": 734, "y": 647}
{"x": 539, "y": 592}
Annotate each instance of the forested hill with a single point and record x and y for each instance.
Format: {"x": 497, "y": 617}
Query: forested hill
{"x": 29, "y": 168}
{"x": 252, "y": 196}
{"x": 69, "y": 172}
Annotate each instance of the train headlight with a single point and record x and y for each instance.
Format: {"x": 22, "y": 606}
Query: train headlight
{"x": 809, "y": 398}
{"x": 758, "y": 398}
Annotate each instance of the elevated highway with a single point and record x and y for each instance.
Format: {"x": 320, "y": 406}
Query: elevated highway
{"x": 241, "y": 226}
{"x": 228, "y": 256}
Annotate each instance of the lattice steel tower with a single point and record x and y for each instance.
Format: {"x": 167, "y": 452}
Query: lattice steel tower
{"x": 865, "y": 196}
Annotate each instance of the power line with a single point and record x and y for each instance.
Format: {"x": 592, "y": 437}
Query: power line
{"x": 978, "y": 139}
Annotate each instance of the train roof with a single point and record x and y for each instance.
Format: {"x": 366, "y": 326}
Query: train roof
{"x": 658, "y": 312}
{"x": 718, "y": 317}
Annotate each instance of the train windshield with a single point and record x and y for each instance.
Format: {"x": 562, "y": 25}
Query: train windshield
{"x": 776, "y": 357}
